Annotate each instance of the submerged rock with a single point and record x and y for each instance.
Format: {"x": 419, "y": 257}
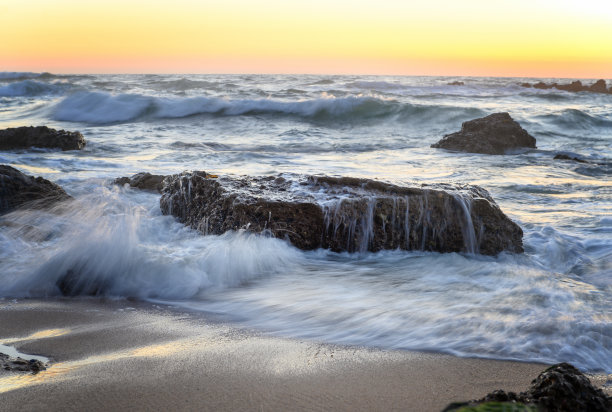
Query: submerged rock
{"x": 40, "y": 136}
{"x": 20, "y": 190}
{"x": 560, "y": 388}
{"x": 344, "y": 214}
{"x": 456, "y": 83}
{"x": 144, "y": 181}
{"x": 497, "y": 133}
{"x": 562, "y": 156}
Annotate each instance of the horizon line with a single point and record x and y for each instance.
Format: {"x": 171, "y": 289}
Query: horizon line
{"x": 291, "y": 74}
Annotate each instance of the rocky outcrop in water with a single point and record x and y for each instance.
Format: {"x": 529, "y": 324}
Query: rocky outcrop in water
{"x": 599, "y": 86}
{"x": 560, "y": 388}
{"x": 497, "y": 133}
{"x": 20, "y": 190}
{"x": 40, "y": 136}
{"x": 143, "y": 181}
{"x": 344, "y": 214}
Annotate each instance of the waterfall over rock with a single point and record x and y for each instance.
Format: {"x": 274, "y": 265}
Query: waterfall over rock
{"x": 344, "y": 214}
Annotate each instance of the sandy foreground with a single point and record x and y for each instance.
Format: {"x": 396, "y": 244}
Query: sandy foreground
{"x": 122, "y": 355}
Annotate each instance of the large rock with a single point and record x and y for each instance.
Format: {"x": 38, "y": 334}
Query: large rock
{"x": 497, "y": 133}
{"x": 560, "y": 388}
{"x": 40, "y": 136}
{"x": 20, "y": 190}
{"x": 344, "y": 214}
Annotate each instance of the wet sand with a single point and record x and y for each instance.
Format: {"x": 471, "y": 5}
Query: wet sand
{"x": 122, "y": 355}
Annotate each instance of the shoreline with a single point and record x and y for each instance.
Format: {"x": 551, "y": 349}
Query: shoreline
{"x": 131, "y": 355}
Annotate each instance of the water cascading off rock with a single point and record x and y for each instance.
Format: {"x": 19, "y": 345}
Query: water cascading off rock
{"x": 344, "y": 214}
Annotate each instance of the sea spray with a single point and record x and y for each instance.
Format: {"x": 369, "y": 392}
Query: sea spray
{"x": 104, "y": 244}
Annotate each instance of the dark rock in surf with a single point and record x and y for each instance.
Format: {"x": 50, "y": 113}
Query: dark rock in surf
{"x": 497, "y": 133}
{"x": 456, "y": 83}
{"x": 575, "y": 86}
{"x": 560, "y": 388}
{"x": 599, "y": 87}
{"x": 144, "y": 181}
{"x": 566, "y": 157}
{"x": 542, "y": 85}
{"x": 72, "y": 283}
{"x": 40, "y": 136}
{"x": 20, "y": 190}
{"x": 344, "y": 214}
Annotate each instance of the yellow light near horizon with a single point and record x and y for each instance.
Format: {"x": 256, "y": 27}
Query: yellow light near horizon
{"x": 508, "y": 38}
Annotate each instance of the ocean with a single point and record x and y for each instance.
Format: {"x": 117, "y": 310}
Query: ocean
{"x": 553, "y": 303}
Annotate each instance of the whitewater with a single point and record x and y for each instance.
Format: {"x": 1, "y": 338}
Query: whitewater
{"x": 553, "y": 303}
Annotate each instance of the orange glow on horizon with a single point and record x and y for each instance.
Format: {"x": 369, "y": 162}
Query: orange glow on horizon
{"x": 537, "y": 38}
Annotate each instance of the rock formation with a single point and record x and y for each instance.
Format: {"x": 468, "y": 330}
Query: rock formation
{"x": 144, "y": 181}
{"x": 497, "y": 133}
{"x": 40, "y": 136}
{"x": 599, "y": 87}
{"x": 560, "y": 388}
{"x": 576, "y": 86}
{"x": 344, "y": 214}
{"x": 20, "y": 190}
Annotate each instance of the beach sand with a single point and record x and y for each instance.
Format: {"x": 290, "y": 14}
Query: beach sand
{"x": 123, "y": 355}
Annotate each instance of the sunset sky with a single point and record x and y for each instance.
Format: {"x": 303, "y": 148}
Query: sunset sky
{"x": 539, "y": 38}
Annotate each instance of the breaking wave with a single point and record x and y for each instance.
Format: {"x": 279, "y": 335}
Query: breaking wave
{"x": 100, "y": 108}
{"x": 104, "y": 244}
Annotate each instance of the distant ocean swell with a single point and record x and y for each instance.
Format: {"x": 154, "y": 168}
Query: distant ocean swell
{"x": 100, "y": 108}
{"x": 25, "y": 88}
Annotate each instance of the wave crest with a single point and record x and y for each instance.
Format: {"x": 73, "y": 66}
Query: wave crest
{"x": 100, "y": 108}
{"x": 577, "y": 119}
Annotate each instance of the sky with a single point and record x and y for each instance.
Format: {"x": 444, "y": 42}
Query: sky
{"x": 523, "y": 38}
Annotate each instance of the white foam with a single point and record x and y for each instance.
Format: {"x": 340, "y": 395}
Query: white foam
{"x": 116, "y": 247}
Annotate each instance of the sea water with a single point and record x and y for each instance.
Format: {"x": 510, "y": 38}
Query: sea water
{"x": 553, "y": 303}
